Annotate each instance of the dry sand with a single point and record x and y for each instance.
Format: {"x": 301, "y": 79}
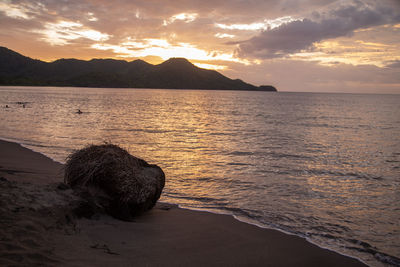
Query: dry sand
{"x": 38, "y": 226}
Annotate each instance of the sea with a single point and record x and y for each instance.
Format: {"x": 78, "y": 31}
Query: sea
{"x": 322, "y": 166}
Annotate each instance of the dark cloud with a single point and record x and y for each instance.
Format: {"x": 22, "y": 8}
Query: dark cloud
{"x": 393, "y": 64}
{"x": 302, "y": 34}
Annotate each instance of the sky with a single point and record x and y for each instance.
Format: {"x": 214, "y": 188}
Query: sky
{"x": 296, "y": 45}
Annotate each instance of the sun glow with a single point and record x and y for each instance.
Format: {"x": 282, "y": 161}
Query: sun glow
{"x": 210, "y": 66}
{"x": 165, "y": 50}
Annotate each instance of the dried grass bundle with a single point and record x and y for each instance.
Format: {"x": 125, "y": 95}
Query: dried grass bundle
{"x": 129, "y": 184}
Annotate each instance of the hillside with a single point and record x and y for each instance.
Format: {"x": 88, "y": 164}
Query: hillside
{"x": 175, "y": 73}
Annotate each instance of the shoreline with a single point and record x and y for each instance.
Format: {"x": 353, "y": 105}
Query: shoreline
{"x": 166, "y": 235}
{"x": 142, "y": 88}
{"x": 261, "y": 226}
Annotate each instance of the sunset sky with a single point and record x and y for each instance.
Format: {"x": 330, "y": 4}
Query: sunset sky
{"x": 295, "y": 45}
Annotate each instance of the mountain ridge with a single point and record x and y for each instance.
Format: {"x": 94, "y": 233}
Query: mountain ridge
{"x": 174, "y": 73}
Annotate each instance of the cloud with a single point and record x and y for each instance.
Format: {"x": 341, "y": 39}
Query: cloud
{"x": 299, "y": 35}
{"x": 14, "y": 12}
{"x": 224, "y": 35}
{"x": 189, "y": 21}
{"x": 308, "y": 76}
{"x": 165, "y": 50}
{"x": 63, "y": 32}
{"x": 186, "y": 17}
{"x": 393, "y": 64}
{"x": 263, "y": 25}
{"x": 310, "y": 44}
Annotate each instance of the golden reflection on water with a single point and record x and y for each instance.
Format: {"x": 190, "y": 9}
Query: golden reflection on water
{"x": 176, "y": 130}
{"x": 301, "y": 161}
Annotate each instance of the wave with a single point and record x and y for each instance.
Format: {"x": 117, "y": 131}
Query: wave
{"x": 343, "y": 174}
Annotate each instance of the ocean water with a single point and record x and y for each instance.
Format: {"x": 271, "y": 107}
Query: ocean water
{"x": 322, "y": 166}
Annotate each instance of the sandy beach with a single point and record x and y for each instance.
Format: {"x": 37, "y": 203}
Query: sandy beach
{"x": 39, "y": 226}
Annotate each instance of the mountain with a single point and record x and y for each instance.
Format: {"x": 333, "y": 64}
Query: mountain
{"x": 175, "y": 73}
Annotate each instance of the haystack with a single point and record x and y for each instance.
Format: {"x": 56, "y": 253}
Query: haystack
{"x": 116, "y": 181}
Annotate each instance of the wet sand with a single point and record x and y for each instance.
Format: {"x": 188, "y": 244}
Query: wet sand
{"x": 38, "y": 226}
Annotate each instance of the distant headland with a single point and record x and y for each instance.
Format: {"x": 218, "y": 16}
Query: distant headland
{"x": 175, "y": 73}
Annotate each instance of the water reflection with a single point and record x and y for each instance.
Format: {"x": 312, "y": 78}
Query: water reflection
{"x": 307, "y": 163}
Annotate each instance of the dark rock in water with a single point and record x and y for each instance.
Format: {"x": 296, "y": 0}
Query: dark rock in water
{"x": 113, "y": 180}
